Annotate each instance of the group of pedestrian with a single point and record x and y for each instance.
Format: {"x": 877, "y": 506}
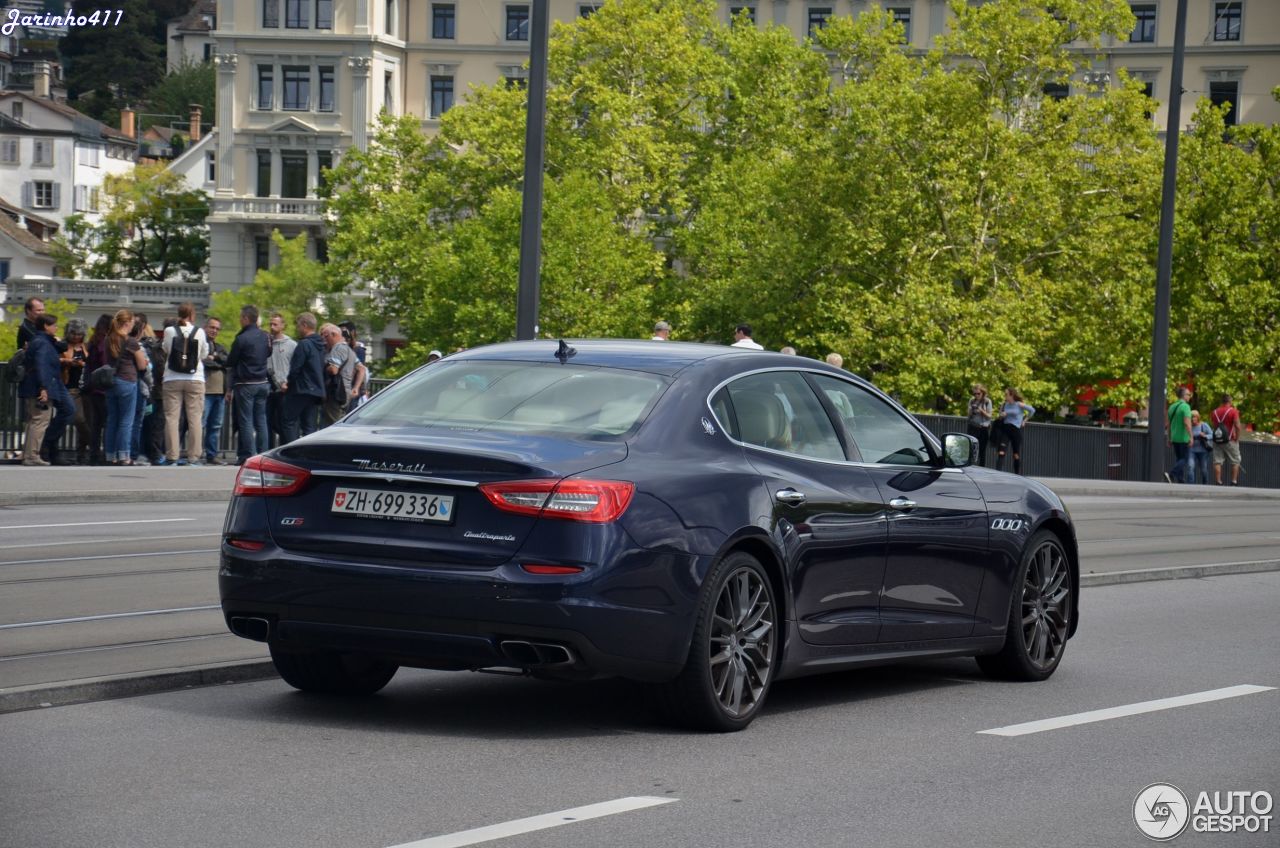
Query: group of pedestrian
{"x": 1195, "y": 441}
{"x": 138, "y": 398}
{"x": 1003, "y": 429}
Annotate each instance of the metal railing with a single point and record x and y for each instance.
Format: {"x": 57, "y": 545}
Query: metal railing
{"x": 268, "y": 207}
{"x": 1048, "y": 450}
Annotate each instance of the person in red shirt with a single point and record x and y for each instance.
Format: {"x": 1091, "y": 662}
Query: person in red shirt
{"x": 1227, "y": 417}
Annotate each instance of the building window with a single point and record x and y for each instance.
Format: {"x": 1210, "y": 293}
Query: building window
{"x": 818, "y": 17}
{"x": 86, "y": 198}
{"x": 17, "y": 111}
{"x": 749, "y": 11}
{"x": 44, "y": 195}
{"x": 42, "y": 152}
{"x": 324, "y": 14}
{"x": 326, "y": 88}
{"x": 264, "y": 173}
{"x": 266, "y": 83}
{"x": 295, "y": 14}
{"x": 1227, "y": 91}
{"x": 261, "y": 252}
{"x": 210, "y": 168}
{"x": 391, "y": 17}
{"x": 89, "y": 155}
{"x": 322, "y": 250}
{"x": 208, "y": 51}
{"x": 1057, "y": 91}
{"x": 586, "y": 10}
{"x": 441, "y": 95}
{"x": 324, "y": 162}
{"x": 297, "y": 88}
{"x": 4, "y": 270}
{"x": 270, "y": 14}
{"x": 902, "y": 15}
{"x": 517, "y": 23}
{"x": 1226, "y": 20}
{"x": 1144, "y": 28}
{"x": 389, "y": 92}
{"x": 10, "y": 152}
{"x": 443, "y": 19}
{"x": 293, "y": 173}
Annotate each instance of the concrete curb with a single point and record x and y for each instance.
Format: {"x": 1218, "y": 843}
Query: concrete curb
{"x": 1177, "y": 572}
{"x": 71, "y": 692}
{"x": 1071, "y": 488}
{"x": 90, "y": 689}
{"x": 109, "y": 496}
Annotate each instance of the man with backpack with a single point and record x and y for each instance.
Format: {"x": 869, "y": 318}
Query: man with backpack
{"x": 185, "y": 349}
{"x": 1225, "y": 421}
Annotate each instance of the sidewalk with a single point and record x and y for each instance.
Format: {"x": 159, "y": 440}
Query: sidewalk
{"x": 22, "y": 485}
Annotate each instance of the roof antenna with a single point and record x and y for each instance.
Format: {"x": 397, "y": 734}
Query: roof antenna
{"x": 564, "y": 351}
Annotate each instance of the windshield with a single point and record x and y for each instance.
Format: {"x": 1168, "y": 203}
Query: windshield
{"x": 523, "y": 397}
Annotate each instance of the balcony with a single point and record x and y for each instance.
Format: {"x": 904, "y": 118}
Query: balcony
{"x": 306, "y": 210}
{"x": 107, "y": 295}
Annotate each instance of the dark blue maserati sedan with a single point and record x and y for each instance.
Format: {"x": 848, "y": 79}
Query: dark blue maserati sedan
{"x": 706, "y": 519}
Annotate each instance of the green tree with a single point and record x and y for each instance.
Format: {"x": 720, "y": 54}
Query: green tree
{"x": 293, "y": 285}
{"x": 153, "y": 228}
{"x": 64, "y": 309}
{"x": 176, "y": 91}
{"x": 107, "y": 68}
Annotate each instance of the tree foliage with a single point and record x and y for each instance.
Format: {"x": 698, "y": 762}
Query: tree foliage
{"x": 294, "y": 285}
{"x": 152, "y": 228}
{"x": 169, "y": 101}
{"x": 937, "y": 220}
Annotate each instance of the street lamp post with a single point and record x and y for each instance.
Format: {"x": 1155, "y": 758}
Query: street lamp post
{"x": 1164, "y": 261}
{"x": 535, "y": 135}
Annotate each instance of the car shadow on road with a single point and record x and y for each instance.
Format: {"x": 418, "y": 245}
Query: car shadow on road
{"x": 498, "y": 707}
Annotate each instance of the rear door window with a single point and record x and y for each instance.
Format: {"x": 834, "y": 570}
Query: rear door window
{"x": 778, "y": 410}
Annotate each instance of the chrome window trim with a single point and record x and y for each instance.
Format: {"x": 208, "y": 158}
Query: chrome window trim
{"x": 928, "y": 436}
{"x": 391, "y": 477}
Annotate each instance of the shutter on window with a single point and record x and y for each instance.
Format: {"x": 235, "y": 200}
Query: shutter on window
{"x": 57, "y": 196}
{"x": 28, "y": 195}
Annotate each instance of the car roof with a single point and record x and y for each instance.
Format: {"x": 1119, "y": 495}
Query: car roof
{"x": 660, "y": 357}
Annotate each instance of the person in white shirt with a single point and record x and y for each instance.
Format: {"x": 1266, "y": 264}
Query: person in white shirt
{"x": 742, "y": 338}
{"x": 661, "y": 332}
{"x": 185, "y": 348}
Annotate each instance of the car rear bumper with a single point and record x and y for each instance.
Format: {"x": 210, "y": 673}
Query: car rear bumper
{"x": 629, "y": 620}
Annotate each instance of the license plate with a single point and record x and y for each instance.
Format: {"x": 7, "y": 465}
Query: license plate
{"x": 402, "y": 506}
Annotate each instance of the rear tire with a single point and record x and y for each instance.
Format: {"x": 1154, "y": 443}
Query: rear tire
{"x": 331, "y": 672}
{"x": 1039, "y": 614}
{"x": 734, "y": 652}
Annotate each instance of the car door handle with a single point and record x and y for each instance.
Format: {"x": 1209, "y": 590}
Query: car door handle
{"x": 903, "y": 504}
{"x": 790, "y": 497}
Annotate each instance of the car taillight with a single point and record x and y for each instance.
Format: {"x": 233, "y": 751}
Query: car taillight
{"x": 269, "y": 477}
{"x": 596, "y": 501}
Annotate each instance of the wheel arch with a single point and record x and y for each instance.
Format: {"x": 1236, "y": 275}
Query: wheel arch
{"x": 1061, "y": 528}
{"x": 767, "y": 555}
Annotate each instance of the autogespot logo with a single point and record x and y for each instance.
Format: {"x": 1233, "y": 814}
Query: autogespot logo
{"x": 1161, "y": 811}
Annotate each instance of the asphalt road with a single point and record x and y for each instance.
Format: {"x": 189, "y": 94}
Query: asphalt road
{"x": 94, "y": 590}
{"x": 886, "y": 757}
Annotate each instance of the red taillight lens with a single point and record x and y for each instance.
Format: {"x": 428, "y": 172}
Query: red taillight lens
{"x": 246, "y": 544}
{"x": 534, "y": 568}
{"x": 269, "y": 477}
{"x": 596, "y": 501}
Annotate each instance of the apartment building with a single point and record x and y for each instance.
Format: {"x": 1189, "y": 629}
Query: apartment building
{"x": 299, "y": 81}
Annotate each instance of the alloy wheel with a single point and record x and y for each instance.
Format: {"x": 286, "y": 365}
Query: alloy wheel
{"x": 1046, "y": 598}
{"x": 742, "y": 642}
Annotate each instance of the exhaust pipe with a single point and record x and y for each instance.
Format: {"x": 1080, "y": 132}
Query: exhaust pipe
{"x": 536, "y": 653}
{"x": 250, "y": 627}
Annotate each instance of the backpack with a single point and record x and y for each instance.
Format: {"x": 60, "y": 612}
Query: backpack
{"x": 1221, "y": 433}
{"x": 16, "y": 369}
{"x": 184, "y": 355}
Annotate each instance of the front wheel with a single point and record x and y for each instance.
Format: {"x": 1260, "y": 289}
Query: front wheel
{"x": 733, "y": 653}
{"x": 1039, "y": 614}
{"x": 331, "y": 672}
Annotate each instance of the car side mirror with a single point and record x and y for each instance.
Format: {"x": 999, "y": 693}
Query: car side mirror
{"x": 958, "y": 450}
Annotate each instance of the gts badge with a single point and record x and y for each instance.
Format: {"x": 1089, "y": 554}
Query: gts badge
{"x": 1011, "y": 525}
{"x": 292, "y": 522}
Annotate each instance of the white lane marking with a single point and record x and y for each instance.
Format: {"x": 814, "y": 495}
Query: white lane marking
{"x": 1127, "y": 710}
{"x": 124, "y": 539}
{"x": 542, "y": 822}
{"x": 109, "y": 556}
{"x": 98, "y": 523}
{"x": 107, "y": 616}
